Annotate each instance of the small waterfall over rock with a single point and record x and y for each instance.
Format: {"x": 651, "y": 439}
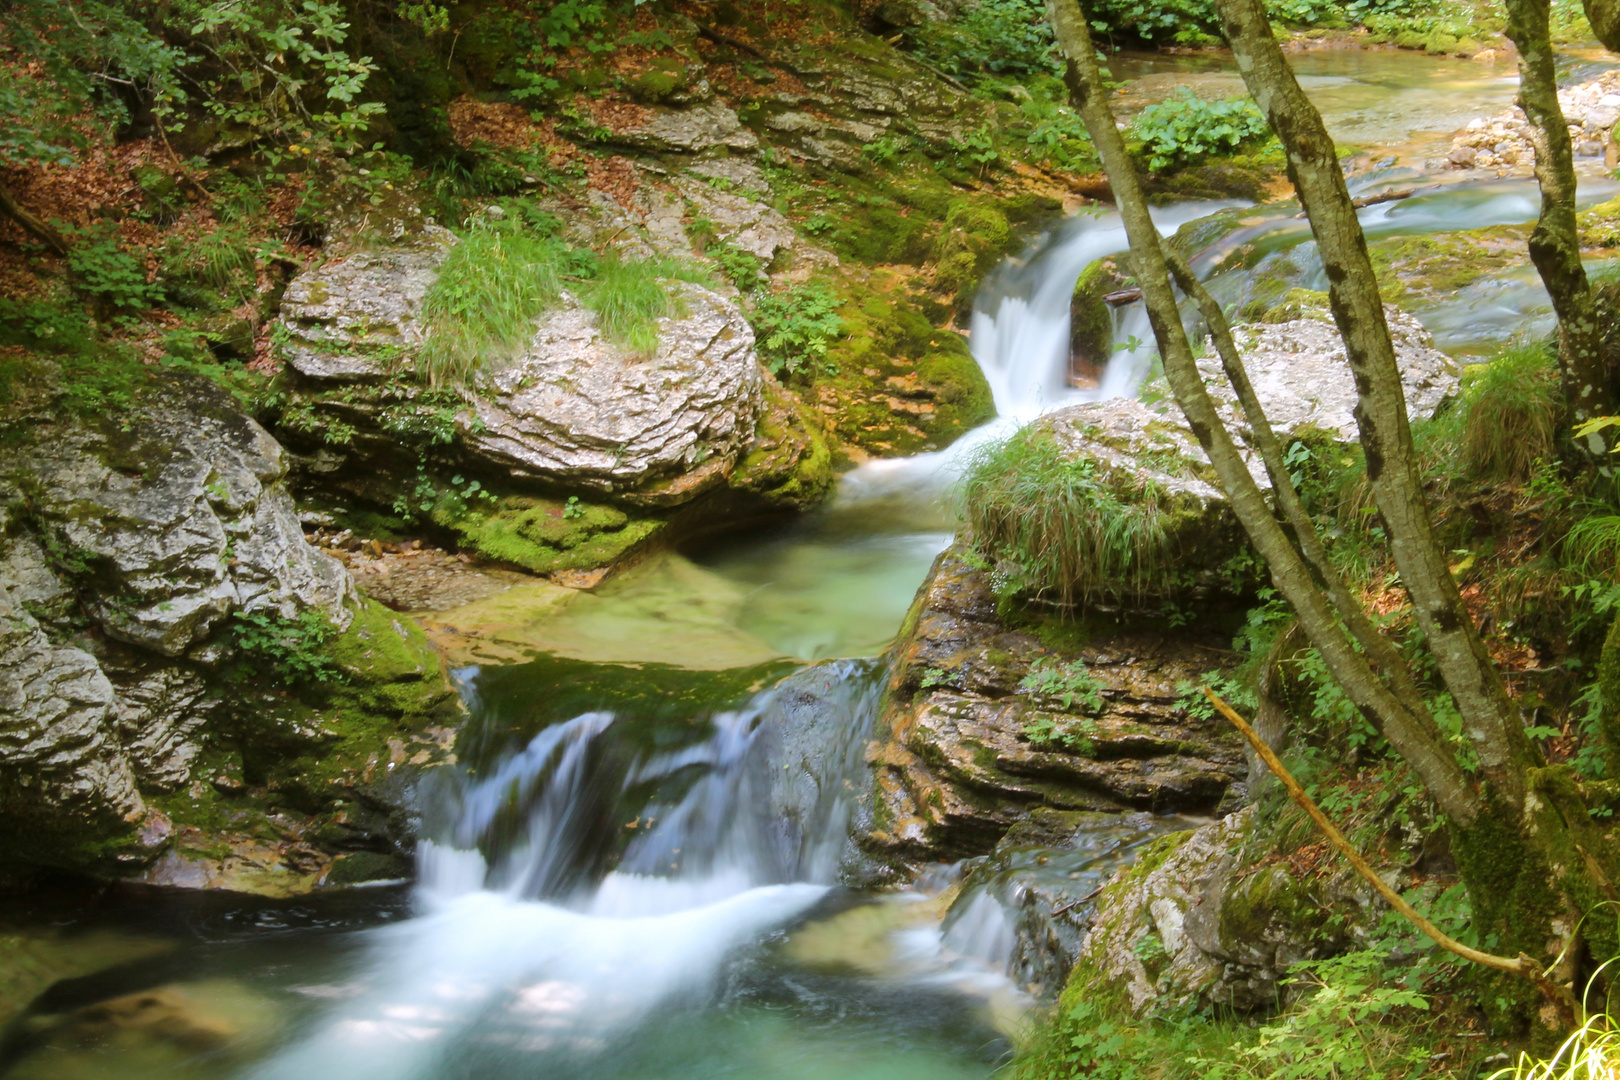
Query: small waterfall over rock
{"x": 602, "y": 871}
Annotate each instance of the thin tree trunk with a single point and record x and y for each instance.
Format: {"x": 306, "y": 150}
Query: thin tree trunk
{"x": 1414, "y": 737}
{"x": 1489, "y": 717}
{"x": 31, "y": 224}
{"x": 1555, "y": 247}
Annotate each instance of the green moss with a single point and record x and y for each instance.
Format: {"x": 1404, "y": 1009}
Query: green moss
{"x": 900, "y": 385}
{"x": 1299, "y": 304}
{"x": 790, "y": 464}
{"x": 1599, "y": 225}
{"x": 546, "y": 535}
{"x": 1419, "y": 268}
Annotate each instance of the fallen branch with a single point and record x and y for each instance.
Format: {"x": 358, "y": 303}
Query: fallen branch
{"x": 31, "y": 224}
{"x": 1561, "y": 996}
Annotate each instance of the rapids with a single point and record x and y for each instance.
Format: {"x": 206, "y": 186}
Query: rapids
{"x": 635, "y": 870}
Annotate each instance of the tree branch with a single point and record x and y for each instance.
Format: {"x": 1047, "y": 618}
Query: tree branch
{"x": 31, "y": 224}
{"x": 1561, "y": 996}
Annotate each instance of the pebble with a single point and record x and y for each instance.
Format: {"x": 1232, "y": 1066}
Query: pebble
{"x": 1592, "y": 109}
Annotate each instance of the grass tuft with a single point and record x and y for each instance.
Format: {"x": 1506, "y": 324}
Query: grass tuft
{"x": 630, "y": 296}
{"x": 505, "y": 274}
{"x": 1062, "y": 530}
{"x": 1513, "y": 405}
{"x": 482, "y": 308}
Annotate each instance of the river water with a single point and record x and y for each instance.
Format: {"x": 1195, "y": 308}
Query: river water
{"x": 629, "y": 874}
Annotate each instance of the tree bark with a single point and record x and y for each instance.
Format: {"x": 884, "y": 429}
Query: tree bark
{"x": 1414, "y": 736}
{"x": 1555, "y": 247}
{"x": 31, "y": 224}
{"x": 1604, "y": 15}
{"x": 1490, "y": 720}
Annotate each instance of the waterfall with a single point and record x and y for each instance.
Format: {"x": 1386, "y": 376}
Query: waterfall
{"x": 587, "y": 879}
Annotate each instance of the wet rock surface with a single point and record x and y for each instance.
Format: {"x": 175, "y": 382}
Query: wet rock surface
{"x": 954, "y": 760}
{"x": 1032, "y": 900}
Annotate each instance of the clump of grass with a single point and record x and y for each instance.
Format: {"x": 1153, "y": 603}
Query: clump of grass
{"x": 1059, "y": 528}
{"x": 1591, "y": 1053}
{"x": 630, "y": 296}
{"x": 504, "y": 274}
{"x": 490, "y": 290}
{"x": 1513, "y": 405}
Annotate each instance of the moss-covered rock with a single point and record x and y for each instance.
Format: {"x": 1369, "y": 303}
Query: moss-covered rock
{"x": 544, "y": 535}
{"x": 895, "y": 384}
{"x": 789, "y": 465}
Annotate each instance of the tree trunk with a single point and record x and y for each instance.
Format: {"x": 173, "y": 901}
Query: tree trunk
{"x": 1415, "y": 736}
{"x": 1604, "y": 15}
{"x": 1554, "y": 246}
{"x": 1489, "y": 717}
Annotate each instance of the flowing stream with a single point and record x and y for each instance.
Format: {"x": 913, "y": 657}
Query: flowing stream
{"x": 634, "y": 870}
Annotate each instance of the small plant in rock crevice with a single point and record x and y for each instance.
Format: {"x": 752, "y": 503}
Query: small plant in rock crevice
{"x": 795, "y": 328}
{"x": 292, "y": 648}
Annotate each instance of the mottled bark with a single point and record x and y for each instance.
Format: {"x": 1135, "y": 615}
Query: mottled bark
{"x": 1554, "y": 245}
{"x": 1377, "y": 647}
{"x": 1604, "y": 15}
{"x": 1414, "y": 735}
{"x": 1490, "y": 720}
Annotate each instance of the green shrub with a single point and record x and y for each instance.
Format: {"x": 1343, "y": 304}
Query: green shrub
{"x": 1060, "y": 527}
{"x": 1001, "y": 36}
{"x": 104, "y": 270}
{"x": 794, "y": 328}
{"x": 1186, "y": 129}
{"x": 294, "y": 649}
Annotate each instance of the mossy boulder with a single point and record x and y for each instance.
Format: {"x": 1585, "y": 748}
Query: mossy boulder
{"x": 789, "y": 465}
{"x": 1091, "y": 318}
{"x": 895, "y": 384}
{"x": 548, "y": 534}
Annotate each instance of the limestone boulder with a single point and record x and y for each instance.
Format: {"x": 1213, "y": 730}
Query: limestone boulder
{"x": 1299, "y": 370}
{"x": 1197, "y": 923}
{"x": 960, "y": 756}
{"x": 356, "y": 316}
{"x": 577, "y": 409}
{"x": 177, "y": 517}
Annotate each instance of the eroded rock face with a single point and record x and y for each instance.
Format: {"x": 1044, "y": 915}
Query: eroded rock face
{"x": 1196, "y": 923}
{"x": 699, "y": 127}
{"x": 577, "y": 409}
{"x": 127, "y": 545}
{"x": 955, "y": 765}
{"x": 355, "y": 317}
{"x": 178, "y": 520}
